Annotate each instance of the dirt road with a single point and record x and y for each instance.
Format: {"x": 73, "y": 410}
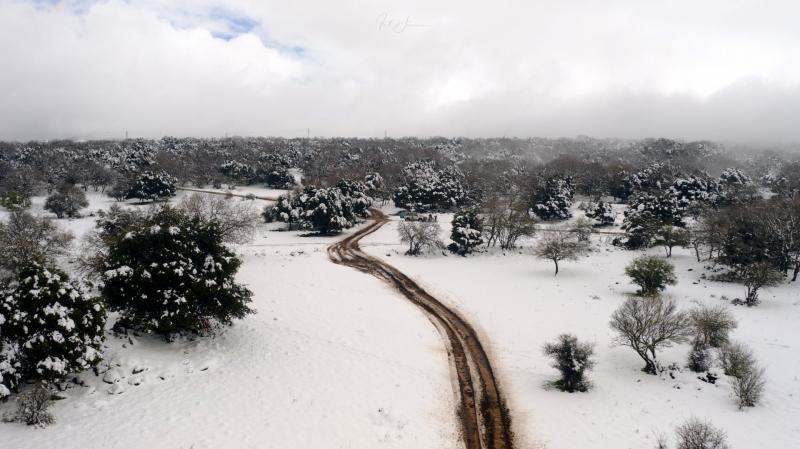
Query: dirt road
{"x": 483, "y": 415}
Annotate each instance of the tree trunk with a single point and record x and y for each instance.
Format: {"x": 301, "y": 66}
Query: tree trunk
{"x": 796, "y": 270}
{"x": 556, "y": 262}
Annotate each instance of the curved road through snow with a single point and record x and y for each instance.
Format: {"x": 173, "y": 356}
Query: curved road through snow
{"x": 484, "y": 418}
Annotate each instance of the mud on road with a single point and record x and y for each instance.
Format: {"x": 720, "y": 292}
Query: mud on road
{"x": 483, "y": 416}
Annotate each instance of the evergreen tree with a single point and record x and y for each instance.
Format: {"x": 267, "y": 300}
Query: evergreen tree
{"x": 167, "y": 272}
{"x": 428, "y": 188}
{"x": 553, "y": 202}
{"x": 602, "y": 213}
{"x": 467, "y": 233}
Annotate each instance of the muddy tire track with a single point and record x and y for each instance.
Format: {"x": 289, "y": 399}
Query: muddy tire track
{"x": 484, "y": 418}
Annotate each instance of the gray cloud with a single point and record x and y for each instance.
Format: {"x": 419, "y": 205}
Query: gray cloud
{"x": 720, "y": 70}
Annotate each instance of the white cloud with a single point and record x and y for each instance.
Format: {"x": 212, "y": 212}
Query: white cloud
{"x": 720, "y": 69}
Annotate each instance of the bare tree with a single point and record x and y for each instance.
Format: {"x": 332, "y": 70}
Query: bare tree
{"x": 27, "y": 237}
{"x": 419, "y": 235}
{"x": 560, "y": 245}
{"x": 235, "y": 219}
{"x": 582, "y": 227}
{"x": 647, "y": 324}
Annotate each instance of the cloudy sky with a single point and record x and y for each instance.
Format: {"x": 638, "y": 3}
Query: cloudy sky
{"x": 717, "y": 69}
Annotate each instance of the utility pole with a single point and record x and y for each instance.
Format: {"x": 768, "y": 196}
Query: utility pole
{"x": 308, "y": 133}
{"x": 126, "y": 134}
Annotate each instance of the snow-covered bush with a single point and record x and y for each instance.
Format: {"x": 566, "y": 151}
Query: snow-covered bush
{"x": 647, "y": 324}
{"x": 356, "y": 192}
{"x": 467, "y": 231}
{"x": 50, "y": 327}
{"x": 602, "y": 213}
{"x": 67, "y": 201}
{"x": 234, "y": 219}
{"x": 168, "y": 272}
{"x": 712, "y": 324}
{"x": 15, "y": 201}
{"x": 693, "y": 189}
{"x": 237, "y": 171}
{"x": 326, "y": 210}
{"x": 553, "y": 201}
{"x": 697, "y": 434}
{"x": 646, "y": 214}
{"x": 33, "y": 407}
{"x": 278, "y": 177}
{"x": 651, "y": 274}
{"x": 733, "y": 177}
{"x": 572, "y": 358}
{"x": 419, "y": 235}
{"x": 735, "y": 358}
{"x": 426, "y": 188}
{"x": 152, "y": 186}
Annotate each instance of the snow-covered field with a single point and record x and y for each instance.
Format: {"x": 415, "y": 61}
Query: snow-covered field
{"x": 517, "y": 304}
{"x": 335, "y": 359}
{"x": 331, "y": 359}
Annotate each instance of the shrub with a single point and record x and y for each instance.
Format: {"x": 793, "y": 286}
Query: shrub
{"x": 572, "y": 359}
{"x": 735, "y": 358}
{"x": 651, "y": 274}
{"x": 419, "y": 235}
{"x": 152, "y": 186}
{"x": 15, "y": 201}
{"x": 33, "y": 407}
{"x": 25, "y": 238}
{"x": 167, "y": 272}
{"x": 748, "y": 386}
{"x": 602, "y": 213}
{"x": 697, "y": 434}
{"x": 50, "y": 326}
{"x": 68, "y": 200}
{"x": 425, "y": 187}
{"x": 235, "y": 220}
{"x": 582, "y": 227}
{"x": 646, "y": 324}
{"x": 699, "y": 358}
{"x": 467, "y": 231}
{"x": 712, "y": 324}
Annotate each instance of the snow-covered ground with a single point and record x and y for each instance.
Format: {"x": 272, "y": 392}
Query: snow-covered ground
{"x": 332, "y": 359}
{"x": 517, "y": 304}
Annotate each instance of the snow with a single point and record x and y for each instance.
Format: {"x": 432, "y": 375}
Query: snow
{"x": 332, "y": 358}
{"x": 517, "y": 305}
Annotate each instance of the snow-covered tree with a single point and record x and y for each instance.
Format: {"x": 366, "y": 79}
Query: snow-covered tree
{"x": 356, "y": 192}
{"x": 427, "y": 188}
{"x": 152, "y": 186}
{"x": 49, "y": 327}
{"x": 467, "y": 231}
{"x": 553, "y": 201}
{"x": 237, "y": 171}
{"x": 278, "y": 177}
{"x": 327, "y": 210}
{"x": 602, "y": 213}
{"x": 646, "y": 214}
{"x": 67, "y": 201}
{"x": 167, "y": 272}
